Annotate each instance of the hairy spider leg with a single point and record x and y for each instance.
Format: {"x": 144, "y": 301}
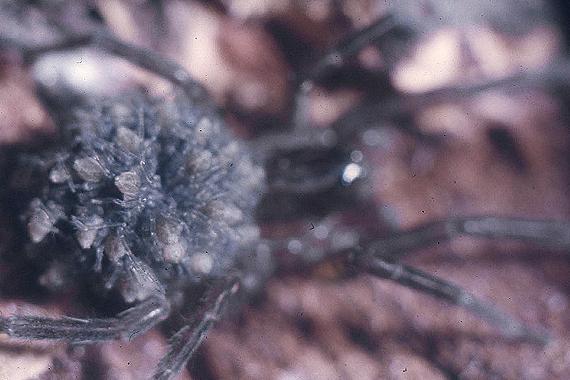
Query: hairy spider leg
{"x": 552, "y": 234}
{"x": 373, "y": 113}
{"x": 439, "y": 288}
{"x": 380, "y": 256}
{"x": 335, "y": 58}
{"x": 107, "y": 42}
{"x": 187, "y": 340}
{"x": 395, "y": 107}
{"x": 125, "y": 326}
{"x": 353, "y": 44}
{"x": 394, "y": 110}
{"x": 358, "y": 40}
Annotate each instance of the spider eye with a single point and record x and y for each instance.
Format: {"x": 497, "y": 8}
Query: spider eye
{"x": 351, "y": 173}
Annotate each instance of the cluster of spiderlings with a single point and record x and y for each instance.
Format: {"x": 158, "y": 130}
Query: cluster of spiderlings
{"x": 135, "y": 184}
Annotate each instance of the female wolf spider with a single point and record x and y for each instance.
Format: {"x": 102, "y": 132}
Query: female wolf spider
{"x": 147, "y": 199}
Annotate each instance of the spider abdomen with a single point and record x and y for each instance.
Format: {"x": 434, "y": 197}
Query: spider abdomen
{"x": 158, "y": 184}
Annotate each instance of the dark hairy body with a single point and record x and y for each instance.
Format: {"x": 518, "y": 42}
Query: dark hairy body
{"x": 144, "y": 199}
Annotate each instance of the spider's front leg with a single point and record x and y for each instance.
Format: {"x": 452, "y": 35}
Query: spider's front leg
{"x": 334, "y": 59}
{"x": 126, "y": 325}
{"x": 353, "y": 44}
{"x": 109, "y": 43}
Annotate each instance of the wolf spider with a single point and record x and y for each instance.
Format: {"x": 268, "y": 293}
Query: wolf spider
{"x": 135, "y": 200}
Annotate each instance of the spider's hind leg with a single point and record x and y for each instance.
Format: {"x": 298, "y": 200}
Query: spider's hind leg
{"x": 436, "y": 287}
{"x": 126, "y": 325}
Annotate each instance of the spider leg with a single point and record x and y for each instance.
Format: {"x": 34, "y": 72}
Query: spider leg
{"x": 436, "y": 287}
{"x": 311, "y": 186}
{"x": 554, "y": 234}
{"x": 126, "y": 325}
{"x": 266, "y": 145}
{"x": 187, "y": 340}
{"x": 353, "y": 44}
{"x": 109, "y": 43}
{"x": 395, "y": 109}
{"x": 332, "y": 59}
{"x": 392, "y": 109}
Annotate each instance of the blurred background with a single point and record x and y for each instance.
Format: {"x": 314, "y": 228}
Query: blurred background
{"x": 505, "y": 152}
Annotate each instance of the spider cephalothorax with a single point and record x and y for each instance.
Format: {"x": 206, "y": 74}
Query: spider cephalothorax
{"x": 140, "y": 183}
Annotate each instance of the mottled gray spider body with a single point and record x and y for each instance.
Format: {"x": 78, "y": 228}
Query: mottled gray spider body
{"x": 151, "y": 197}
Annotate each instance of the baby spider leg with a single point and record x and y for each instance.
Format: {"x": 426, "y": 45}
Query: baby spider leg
{"x": 186, "y": 341}
{"x": 439, "y": 288}
{"x": 126, "y": 325}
